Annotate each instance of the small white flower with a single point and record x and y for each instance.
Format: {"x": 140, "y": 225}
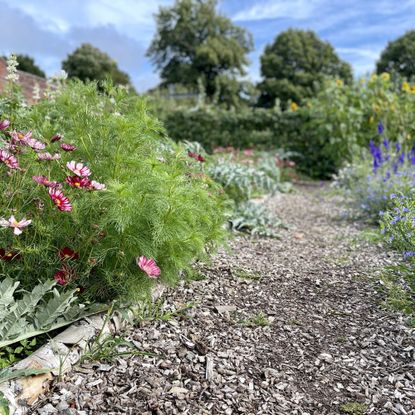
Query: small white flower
{"x": 16, "y": 225}
{"x": 12, "y": 65}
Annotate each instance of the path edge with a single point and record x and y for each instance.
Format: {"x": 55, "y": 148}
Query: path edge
{"x": 62, "y": 353}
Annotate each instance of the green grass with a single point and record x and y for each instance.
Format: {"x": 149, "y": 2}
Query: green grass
{"x": 256, "y": 320}
{"x": 354, "y": 408}
{"x": 246, "y": 275}
{"x": 150, "y": 311}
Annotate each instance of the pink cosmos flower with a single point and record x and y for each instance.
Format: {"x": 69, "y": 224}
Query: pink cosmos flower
{"x": 96, "y": 186}
{"x": 46, "y": 182}
{"x": 35, "y": 144}
{"x": 249, "y": 152}
{"x": 56, "y": 137}
{"x": 9, "y": 160}
{"x": 26, "y": 140}
{"x": 67, "y": 147}
{"x": 75, "y": 181}
{"x": 4, "y": 124}
{"x": 47, "y": 156}
{"x": 78, "y": 168}
{"x": 149, "y": 266}
{"x": 16, "y": 225}
{"x": 20, "y": 137}
{"x": 60, "y": 200}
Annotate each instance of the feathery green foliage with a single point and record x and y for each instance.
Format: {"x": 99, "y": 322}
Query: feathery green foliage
{"x": 153, "y": 205}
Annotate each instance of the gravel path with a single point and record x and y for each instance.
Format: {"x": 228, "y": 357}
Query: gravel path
{"x": 286, "y": 326}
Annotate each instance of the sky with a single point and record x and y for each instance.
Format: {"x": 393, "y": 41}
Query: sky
{"x": 49, "y": 30}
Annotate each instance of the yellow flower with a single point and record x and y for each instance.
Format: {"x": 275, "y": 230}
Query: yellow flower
{"x": 339, "y": 82}
{"x": 385, "y": 77}
{"x": 412, "y": 91}
{"x": 406, "y": 87}
{"x": 374, "y": 77}
{"x": 376, "y": 108}
{"x": 293, "y": 106}
{"x": 371, "y": 120}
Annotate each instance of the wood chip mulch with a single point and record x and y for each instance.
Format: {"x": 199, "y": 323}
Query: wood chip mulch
{"x": 277, "y": 326}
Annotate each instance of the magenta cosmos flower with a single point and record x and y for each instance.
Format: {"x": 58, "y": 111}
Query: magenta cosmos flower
{"x": 67, "y": 253}
{"x": 67, "y": 147}
{"x": 15, "y": 224}
{"x": 75, "y": 181}
{"x": 46, "y": 182}
{"x": 196, "y": 156}
{"x": 56, "y": 138}
{"x": 60, "y": 200}
{"x": 9, "y": 160}
{"x": 78, "y": 168}
{"x": 149, "y": 266}
{"x": 4, "y": 124}
{"x": 61, "y": 277}
{"x": 48, "y": 156}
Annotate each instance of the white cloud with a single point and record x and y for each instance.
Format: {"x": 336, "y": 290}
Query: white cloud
{"x": 271, "y": 9}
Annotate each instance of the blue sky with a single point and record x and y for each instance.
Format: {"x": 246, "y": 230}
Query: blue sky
{"x": 50, "y": 29}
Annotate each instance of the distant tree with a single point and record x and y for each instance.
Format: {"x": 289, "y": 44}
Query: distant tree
{"x": 90, "y": 63}
{"x": 399, "y": 56}
{"x": 294, "y": 65}
{"x": 193, "y": 41}
{"x": 27, "y": 64}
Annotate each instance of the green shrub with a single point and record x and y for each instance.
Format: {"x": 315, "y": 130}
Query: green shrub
{"x": 328, "y": 130}
{"x": 152, "y": 205}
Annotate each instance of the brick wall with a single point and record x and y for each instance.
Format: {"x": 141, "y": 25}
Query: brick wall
{"x": 26, "y": 80}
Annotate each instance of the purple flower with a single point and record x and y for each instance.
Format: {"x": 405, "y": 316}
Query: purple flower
{"x": 395, "y": 220}
{"x": 381, "y": 128}
{"x": 408, "y": 254}
{"x": 392, "y": 196}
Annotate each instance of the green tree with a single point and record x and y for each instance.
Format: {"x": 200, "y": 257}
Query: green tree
{"x": 193, "y": 41}
{"x": 294, "y": 66}
{"x": 399, "y": 56}
{"x": 90, "y": 63}
{"x": 27, "y": 64}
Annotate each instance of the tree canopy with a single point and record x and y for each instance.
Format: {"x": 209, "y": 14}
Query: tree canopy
{"x": 399, "y": 56}
{"x": 294, "y": 65}
{"x": 89, "y": 63}
{"x": 27, "y": 64}
{"x": 193, "y": 41}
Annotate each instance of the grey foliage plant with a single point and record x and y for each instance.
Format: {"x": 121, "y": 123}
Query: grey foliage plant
{"x": 25, "y": 314}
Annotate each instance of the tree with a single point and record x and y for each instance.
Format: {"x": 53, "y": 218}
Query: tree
{"x": 399, "y": 56}
{"x": 90, "y": 63}
{"x": 27, "y": 64}
{"x": 294, "y": 65}
{"x": 193, "y": 41}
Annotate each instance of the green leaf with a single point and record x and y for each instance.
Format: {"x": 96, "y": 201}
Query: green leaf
{"x": 4, "y": 405}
